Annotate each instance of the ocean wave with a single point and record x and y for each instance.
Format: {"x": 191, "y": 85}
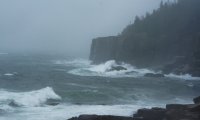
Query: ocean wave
{"x": 110, "y": 69}
{"x": 183, "y": 77}
{"x": 31, "y": 99}
{"x": 85, "y": 68}
{"x": 66, "y": 111}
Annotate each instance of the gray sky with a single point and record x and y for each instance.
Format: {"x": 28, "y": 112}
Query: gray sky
{"x": 64, "y": 26}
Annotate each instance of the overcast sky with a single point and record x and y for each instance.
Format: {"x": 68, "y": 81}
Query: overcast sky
{"x": 64, "y": 26}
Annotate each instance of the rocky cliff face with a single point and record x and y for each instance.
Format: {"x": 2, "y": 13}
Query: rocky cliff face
{"x": 169, "y": 37}
{"x": 103, "y": 49}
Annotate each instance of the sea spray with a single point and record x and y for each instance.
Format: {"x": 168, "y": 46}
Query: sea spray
{"x": 85, "y": 68}
{"x": 106, "y": 70}
{"x": 31, "y": 99}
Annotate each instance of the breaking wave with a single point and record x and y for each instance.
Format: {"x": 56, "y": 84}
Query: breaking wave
{"x": 30, "y": 99}
{"x": 110, "y": 69}
{"x": 64, "y": 111}
{"x": 184, "y": 76}
{"x": 113, "y": 69}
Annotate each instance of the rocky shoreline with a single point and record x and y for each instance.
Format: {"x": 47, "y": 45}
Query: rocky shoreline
{"x": 171, "y": 112}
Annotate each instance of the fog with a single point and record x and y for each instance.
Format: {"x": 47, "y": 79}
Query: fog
{"x": 64, "y": 26}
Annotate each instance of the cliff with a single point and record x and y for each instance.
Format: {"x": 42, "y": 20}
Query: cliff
{"x": 169, "y": 35}
{"x": 104, "y": 48}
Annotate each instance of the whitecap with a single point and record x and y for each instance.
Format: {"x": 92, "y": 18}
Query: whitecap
{"x": 31, "y": 99}
{"x": 8, "y": 74}
{"x": 105, "y": 69}
{"x": 66, "y": 111}
{"x": 183, "y": 77}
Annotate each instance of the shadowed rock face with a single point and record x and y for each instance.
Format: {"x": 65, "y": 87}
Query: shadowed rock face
{"x": 104, "y": 49}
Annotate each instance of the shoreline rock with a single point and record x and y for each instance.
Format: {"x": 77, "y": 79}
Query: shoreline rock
{"x": 171, "y": 112}
{"x": 100, "y": 117}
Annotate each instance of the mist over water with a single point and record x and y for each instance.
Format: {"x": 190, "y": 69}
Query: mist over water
{"x": 45, "y": 73}
{"x": 64, "y": 26}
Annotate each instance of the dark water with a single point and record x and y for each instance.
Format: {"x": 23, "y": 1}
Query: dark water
{"x": 29, "y": 81}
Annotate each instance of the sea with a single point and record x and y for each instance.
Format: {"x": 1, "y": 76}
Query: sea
{"x": 53, "y": 87}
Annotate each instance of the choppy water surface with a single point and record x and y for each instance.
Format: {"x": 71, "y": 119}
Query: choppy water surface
{"x": 31, "y": 86}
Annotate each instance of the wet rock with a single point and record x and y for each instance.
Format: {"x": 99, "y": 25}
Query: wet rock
{"x": 117, "y": 68}
{"x": 183, "y": 65}
{"x": 100, "y": 117}
{"x": 176, "y": 107}
{"x": 195, "y": 108}
{"x": 150, "y": 114}
{"x": 13, "y": 104}
{"x": 52, "y": 102}
{"x": 196, "y": 100}
{"x": 153, "y": 75}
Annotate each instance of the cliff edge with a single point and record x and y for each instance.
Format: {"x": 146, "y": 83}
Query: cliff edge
{"x": 169, "y": 38}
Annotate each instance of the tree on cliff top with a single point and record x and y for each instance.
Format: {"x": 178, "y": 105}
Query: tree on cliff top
{"x": 173, "y": 30}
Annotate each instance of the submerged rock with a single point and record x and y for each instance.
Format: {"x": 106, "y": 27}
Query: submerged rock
{"x": 117, "y": 68}
{"x": 13, "y": 104}
{"x": 52, "y": 102}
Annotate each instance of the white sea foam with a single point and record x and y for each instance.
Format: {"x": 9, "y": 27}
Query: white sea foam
{"x": 32, "y": 98}
{"x": 105, "y": 69}
{"x": 85, "y": 68}
{"x": 183, "y": 77}
{"x": 32, "y": 108}
{"x": 64, "y": 111}
{"x": 8, "y": 74}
